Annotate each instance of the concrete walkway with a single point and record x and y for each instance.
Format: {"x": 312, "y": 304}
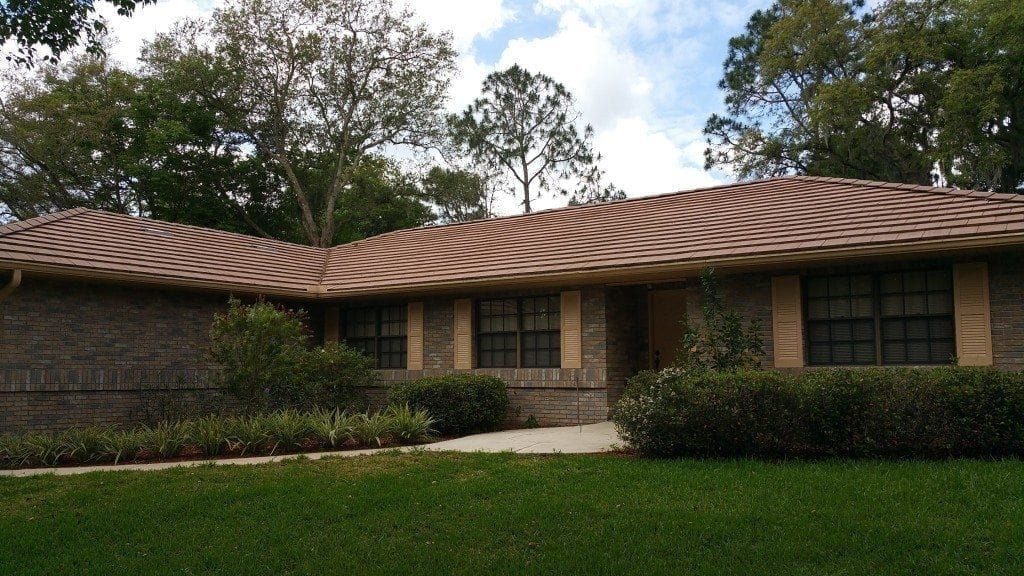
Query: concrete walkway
{"x": 586, "y": 439}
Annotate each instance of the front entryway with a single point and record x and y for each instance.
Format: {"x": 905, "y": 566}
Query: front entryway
{"x": 666, "y": 309}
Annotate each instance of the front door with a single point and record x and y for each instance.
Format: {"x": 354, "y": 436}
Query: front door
{"x": 666, "y": 308}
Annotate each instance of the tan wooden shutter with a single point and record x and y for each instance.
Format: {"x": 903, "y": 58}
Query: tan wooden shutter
{"x": 787, "y": 322}
{"x": 463, "y": 334}
{"x": 414, "y": 319}
{"x": 572, "y": 330}
{"x": 971, "y": 310}
{"x": 332, "y": 315}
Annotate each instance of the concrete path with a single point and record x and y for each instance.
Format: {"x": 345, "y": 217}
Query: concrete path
{"x": 586, "y": 439}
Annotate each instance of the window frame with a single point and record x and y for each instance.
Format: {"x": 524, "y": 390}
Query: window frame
{"x": 378, "y": 337}
{"x": 552, "y": 334}
{"x": 878, "y": 317}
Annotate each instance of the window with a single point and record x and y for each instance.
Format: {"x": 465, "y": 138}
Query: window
{"x": 917, "y": 317}
{"x": 379, "y": 332}
{"x": 903, "y": 317}
{"x": 514, "y": 332}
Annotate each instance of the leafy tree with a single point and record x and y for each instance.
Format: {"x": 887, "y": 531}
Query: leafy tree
{"x": 84, "y": 133}
{"x": 64, "y": 139}
{"x": 981, "y": 127}
{"x": 827, "y": 87}
{"x": 381, "y": 198}
{"x": 56, "y": 25}
{"x": 317, "y": 86}
{"x": 460, "y": 195}
{"x": 525, "y": 125}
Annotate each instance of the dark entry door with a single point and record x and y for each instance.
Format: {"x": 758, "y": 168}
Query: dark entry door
{"x": 666, "y": 309}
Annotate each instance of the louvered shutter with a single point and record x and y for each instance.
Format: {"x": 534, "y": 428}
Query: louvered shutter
{"x": 415, "y": 336}
{"x": 572, "y": 330}
{"x": 463, "y": 334}
{"x": 787, "y": 322}
{"x": 973, "y": 323}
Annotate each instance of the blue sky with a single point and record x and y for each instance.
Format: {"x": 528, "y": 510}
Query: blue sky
{"x": 644, "y": 72}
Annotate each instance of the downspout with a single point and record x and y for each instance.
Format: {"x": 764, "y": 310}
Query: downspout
{"x": 12, "y": 285}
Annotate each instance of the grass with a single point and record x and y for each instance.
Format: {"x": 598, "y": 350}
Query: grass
{"x": 425, "y": 513}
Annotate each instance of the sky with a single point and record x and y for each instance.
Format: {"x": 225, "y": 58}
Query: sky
{"x": 644, "y": 72}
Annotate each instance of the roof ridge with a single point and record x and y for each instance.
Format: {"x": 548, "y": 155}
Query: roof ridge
{"x": 594, "y": 205}
{"x": 42, "y": 219}
{"x": 943, "y": 190}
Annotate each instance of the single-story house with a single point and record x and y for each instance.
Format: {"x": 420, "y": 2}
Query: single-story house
{"x": 100, "y": 310}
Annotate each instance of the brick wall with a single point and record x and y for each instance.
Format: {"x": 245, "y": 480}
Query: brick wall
{"x": 78, "y": 353}
{"x": 551, "y": 395}
{"x": 1006, "y": 304}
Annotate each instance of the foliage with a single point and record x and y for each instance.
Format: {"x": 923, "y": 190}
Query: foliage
{"x": 87, "y": 134}
{"x": 165, "y": 439}
{"x": 720, "y": 341}
{"x": 524, "y": 124}
{"x": 119, "y": 445}
{"x": 410, "y": 426}
{"x": 260, "y": 349}
{"x": 460, "y": 403}
{"x": 827, "y": 87}
{"x": 288, "y": 428}
{"x": 460, "y": 195}
{"x": 334, "y": 427}
{"x": 246, "y": 433}
{"x": 376, "y": 430}
{"x": 885, "y": 413}
{"x": 56, "y": 26}
{"x": 380, "y": 198}
{"x": 317, "y": 99}
{"x": 209, "y": 433}
{"x": 336, "y": 375}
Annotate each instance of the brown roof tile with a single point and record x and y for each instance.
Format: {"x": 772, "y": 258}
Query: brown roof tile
{"x": 777, "y": 219}
{"x": 92, "y": 241}
{"x": 747, "y": 220}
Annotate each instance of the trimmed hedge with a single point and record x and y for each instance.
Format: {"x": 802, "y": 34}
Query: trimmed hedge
{"x": 459, "y": 403}
{"x": 886, "y": 413}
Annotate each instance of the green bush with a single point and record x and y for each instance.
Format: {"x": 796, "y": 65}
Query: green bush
{"x": 286, "y": 430}
{"x": 888, "y": 413}
{"x": 336, "y": 377}
{"x": 460, "y": 403}
{"x": 268, "y": 362}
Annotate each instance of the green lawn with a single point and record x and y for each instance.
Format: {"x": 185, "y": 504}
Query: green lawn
{"x": 496, "y": 514}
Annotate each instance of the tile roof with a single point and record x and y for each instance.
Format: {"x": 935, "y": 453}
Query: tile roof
{"x": 91, "y": 242}
{"x": 780, "y": 216}
{"x": 772, "y": 220}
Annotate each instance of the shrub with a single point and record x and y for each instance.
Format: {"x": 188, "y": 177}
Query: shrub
{"x": 259, "y": 348}
{"x": 333, "y": 427}
{"x": 336, "y": 375}
{"x": 209, "y": 434}
{"x": 246, "y": 434}
{"x": 268, "y": 362}
{"x": 460, "y": 403}
{"x": 84, "y": 445}
{"x": 410, "y": 426}
{"x": 940, "y": 412}
{"x": 373, "y": 430}
{"x": 165, "y": 440}
{"x": 287, "y": 429}
{"x": 120, "y": 445}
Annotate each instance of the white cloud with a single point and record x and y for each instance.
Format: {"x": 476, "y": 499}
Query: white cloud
{"x": 466, "y": 19}
{"x": 643, "y": 161}
{"x": 607, "y": 81}
{"x": 147, "y": 21}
